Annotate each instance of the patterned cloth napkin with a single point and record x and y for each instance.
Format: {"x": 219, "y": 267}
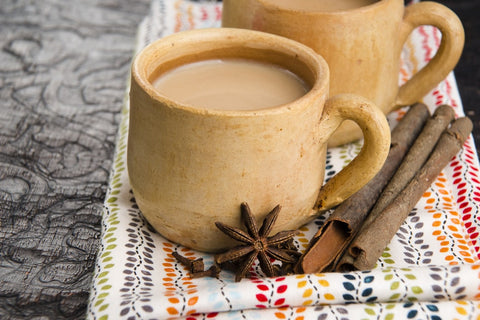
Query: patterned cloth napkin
{"x": 430, "y": 270}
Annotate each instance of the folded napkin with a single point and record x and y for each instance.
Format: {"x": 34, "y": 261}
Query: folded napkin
{"x": 431, "y": 268}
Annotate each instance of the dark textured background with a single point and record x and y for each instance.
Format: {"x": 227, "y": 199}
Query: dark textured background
{"x": 467, "y": 71}
{"x": 63, "y": 71}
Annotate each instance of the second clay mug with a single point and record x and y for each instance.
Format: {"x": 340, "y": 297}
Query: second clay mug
{"x": 190, "y": 166}
{"x": 361, "y": 40}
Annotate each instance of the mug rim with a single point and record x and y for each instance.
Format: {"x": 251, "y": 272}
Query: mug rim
{"x": 368, "y": 7}
{"x": 248, "y": 39}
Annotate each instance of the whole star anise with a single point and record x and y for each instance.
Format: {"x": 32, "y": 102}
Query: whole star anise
{"x": 257, "y": 244}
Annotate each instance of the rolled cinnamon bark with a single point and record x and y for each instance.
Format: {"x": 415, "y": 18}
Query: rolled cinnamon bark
{"x": 330, "y": 241}
{"x": 369, "y": 244}
{"x": 417, "y": 155}
{"x": 413, "y": 161}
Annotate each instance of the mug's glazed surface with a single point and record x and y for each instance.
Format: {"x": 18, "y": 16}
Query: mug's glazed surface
{"x": 190, "y": 167}
{"x": 362, "y": 46}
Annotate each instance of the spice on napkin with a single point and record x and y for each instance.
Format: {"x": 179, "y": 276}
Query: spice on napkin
{"x": 329, "y": 242}
{"x": 331, "y": 249}
{"x": 372, "y": 240}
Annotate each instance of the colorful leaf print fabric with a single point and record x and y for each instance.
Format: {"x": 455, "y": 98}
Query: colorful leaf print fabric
{"x": 430, "y": 269}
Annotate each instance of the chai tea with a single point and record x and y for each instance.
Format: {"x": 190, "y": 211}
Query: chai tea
{"x": 231, "y": 84}
{"x": 190, "y": 167}
{"x": 321, "y": 5}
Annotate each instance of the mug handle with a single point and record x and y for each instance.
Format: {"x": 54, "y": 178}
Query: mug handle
{"x": 369, "y": 161}
{"x": 447, "y": 56}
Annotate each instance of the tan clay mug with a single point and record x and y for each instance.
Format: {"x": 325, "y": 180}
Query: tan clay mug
{"x": 361, "y": 40}
{"x": 191, "y": 166}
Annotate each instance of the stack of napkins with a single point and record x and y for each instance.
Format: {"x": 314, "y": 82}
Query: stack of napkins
{"x": 430, "y": 270}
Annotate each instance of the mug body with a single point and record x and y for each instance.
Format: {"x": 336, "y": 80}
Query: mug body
{"x": 190, "y": 167}
{"x": 360, "y": 45}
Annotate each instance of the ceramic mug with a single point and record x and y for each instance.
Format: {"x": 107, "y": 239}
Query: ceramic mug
{"x": 190, "y": 167}
{"x": 362, "y": 45}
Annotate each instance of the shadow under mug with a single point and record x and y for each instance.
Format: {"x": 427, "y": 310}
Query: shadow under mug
{"x": 190, "y": 166}
{"x": 361, "y": 45}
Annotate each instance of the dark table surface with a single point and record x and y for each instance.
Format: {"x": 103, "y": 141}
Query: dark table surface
{"x": 467, "y": 71}
{"x": 63, "y": 71}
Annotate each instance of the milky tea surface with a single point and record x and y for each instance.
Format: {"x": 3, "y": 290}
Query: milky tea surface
{"x": 230, "y": 84}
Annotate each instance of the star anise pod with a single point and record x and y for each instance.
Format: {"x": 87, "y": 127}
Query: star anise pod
{"x": 257, "y": 243}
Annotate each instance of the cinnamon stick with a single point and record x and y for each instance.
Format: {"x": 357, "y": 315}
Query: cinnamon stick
{"x": 413, "y": 161}
{"x": 371, "y": 241}
{"x": 330, "y": 241}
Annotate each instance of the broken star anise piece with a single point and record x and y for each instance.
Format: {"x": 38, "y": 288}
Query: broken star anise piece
{"x": 257, "y": 243}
